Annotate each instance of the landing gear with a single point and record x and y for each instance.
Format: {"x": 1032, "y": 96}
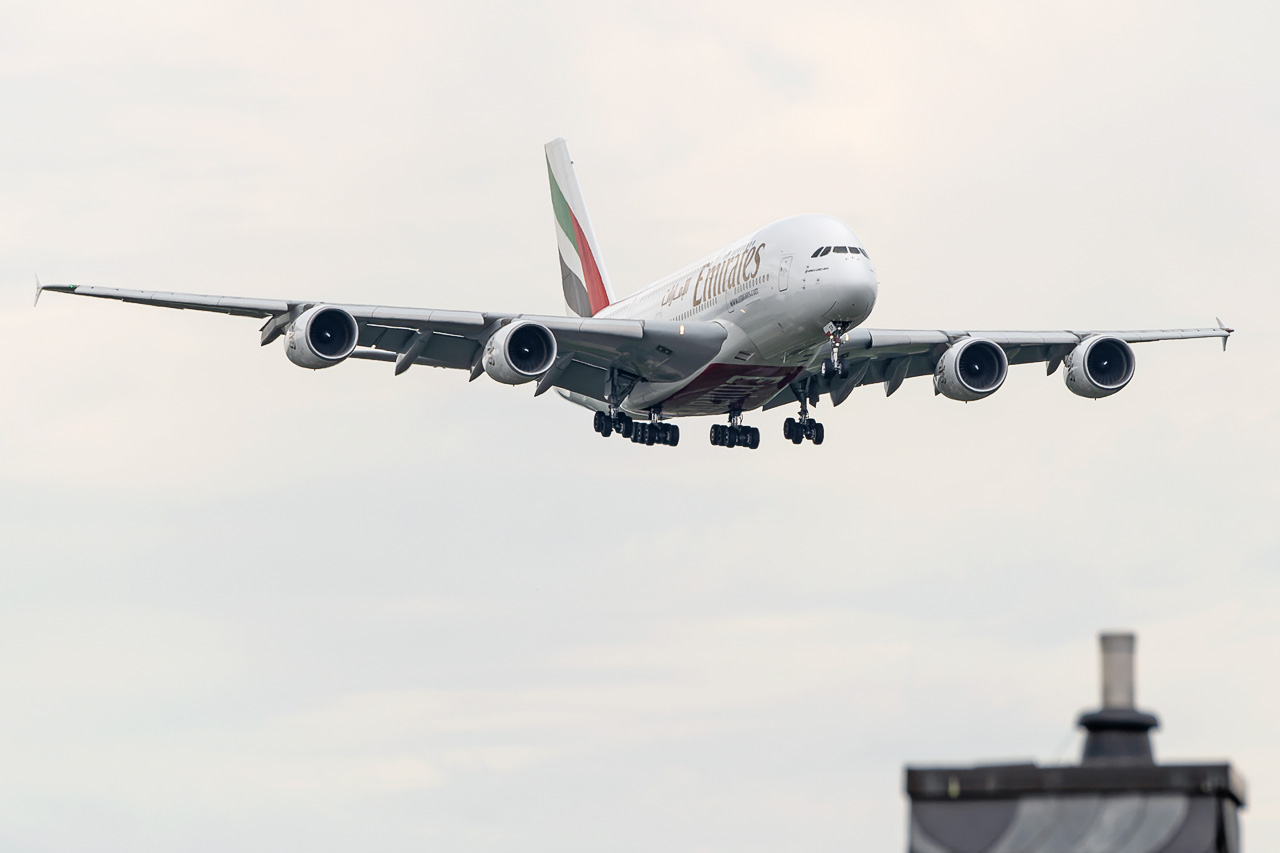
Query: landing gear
{"x": 797, "y": 430}
{"x": 735, "y": 434}
{"x": 647, "y": 433}
{"x": 653, "y": 432}
{"x": 834, "y": 367}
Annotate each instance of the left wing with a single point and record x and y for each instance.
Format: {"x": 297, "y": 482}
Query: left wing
{"x": 891, "y": 356}
{"x": 590, "y": 350}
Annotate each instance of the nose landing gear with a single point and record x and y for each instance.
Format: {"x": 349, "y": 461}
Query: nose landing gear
{"x": 834, "y": 368}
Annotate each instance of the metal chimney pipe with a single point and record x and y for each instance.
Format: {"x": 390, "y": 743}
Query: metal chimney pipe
{"x": 1118, "y": 731}
{"x": 1117, "y": 669}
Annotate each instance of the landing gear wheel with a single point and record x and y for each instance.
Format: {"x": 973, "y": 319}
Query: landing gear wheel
{"x": 797, "y": 435}
{"x": 789, "y": 428}
{"x": 818, "y": 433}
{"x": 597, "y": 422}
{"x": 628, "y": 428}
{"x": 833, "y": 369}
{"x": 731, "y": 437}
{"x": 650, "y": 434}
{"x": 673, "y": 435}
{"x": 753, "y": 437}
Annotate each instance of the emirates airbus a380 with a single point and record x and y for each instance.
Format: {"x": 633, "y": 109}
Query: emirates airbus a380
{"x": 772, "y": 319}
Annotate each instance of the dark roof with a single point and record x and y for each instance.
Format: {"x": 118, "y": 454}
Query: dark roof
{"x": 1023, "y": 808}
{"x": 1016, "y": 780}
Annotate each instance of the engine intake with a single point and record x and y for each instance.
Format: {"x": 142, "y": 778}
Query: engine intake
{"x": 322, "y": 337}
{"x": 970, "y": 370}
{"x": 518, "y": 352}
{"x": 1098, "y": 367}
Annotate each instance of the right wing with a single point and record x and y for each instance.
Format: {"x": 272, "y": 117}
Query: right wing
{"x": 890, "y": 356}
{"x": 590, "y": 349}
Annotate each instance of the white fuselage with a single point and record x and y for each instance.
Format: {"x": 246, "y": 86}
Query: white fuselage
{"x": 773, "y": 298}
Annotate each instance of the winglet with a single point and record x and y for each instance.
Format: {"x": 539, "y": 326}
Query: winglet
{"x": 1228, "y": 334}
{"x": 38, "y": 289}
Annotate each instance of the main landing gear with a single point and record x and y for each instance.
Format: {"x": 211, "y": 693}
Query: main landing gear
{"x": 797, "y": 431}
{"x": 735, "y": 434}
{"x": 640, "y": 432}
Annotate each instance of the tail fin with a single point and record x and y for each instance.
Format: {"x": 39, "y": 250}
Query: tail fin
{"x": 586, "y": 284}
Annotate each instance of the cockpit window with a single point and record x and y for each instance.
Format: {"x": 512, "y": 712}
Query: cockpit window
{"x": 854, "y": 250}
{"x": 816, "y": 252}
{"x": 842, "y": 250}
{"x": 825, "y": 250}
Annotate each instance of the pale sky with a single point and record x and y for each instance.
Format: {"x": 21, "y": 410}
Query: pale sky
{"x": 251, "y": 607}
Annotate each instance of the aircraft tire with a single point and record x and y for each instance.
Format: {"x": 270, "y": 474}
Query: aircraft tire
{"x": 788, "y": 428}
{"x": 819, "y": 433}
{"x": 673, "y": 435}
{"x": 753, "y": 437}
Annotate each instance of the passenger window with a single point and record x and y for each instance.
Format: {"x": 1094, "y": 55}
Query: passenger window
{"x": 841, "y": 250}
{"x": 816, "y": 252}
{"x": 825, "y": 250}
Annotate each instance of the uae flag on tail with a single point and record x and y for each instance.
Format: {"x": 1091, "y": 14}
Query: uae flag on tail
{"x": 586, "y": 287}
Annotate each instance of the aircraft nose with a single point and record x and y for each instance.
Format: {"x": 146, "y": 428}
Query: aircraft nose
{"x": 855, "y": 288}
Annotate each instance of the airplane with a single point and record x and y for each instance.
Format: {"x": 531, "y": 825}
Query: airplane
{"x": 772, "y": 319}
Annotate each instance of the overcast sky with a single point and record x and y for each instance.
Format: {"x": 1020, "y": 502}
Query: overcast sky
{"x": 247, "y": 606}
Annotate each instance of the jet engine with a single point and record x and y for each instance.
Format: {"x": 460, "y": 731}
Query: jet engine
{"x": 970, "y": 370}
{"x": 1098, "y": 367}
{"x": 519, "y": 352}
{"x": 322, "y": 337}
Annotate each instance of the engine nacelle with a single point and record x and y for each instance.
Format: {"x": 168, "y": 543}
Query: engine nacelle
{"x": 970, "y": 370}
{"x": 519, "y": 352}
{"x": 1098, "y": 367}
{"x": 322, "y": 337}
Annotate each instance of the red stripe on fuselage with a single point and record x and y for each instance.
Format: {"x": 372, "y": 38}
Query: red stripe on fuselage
{"x": 595, "y": 284}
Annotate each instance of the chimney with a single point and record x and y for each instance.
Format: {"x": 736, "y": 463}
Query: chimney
{"x": 1118, "y": 733}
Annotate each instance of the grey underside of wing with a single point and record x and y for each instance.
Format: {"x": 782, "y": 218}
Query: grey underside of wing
{"x": 877, "y": 355}
{"x": 589, "y": 347}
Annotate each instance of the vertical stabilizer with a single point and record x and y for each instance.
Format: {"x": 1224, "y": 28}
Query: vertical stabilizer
{"x": 585, "y": 282}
